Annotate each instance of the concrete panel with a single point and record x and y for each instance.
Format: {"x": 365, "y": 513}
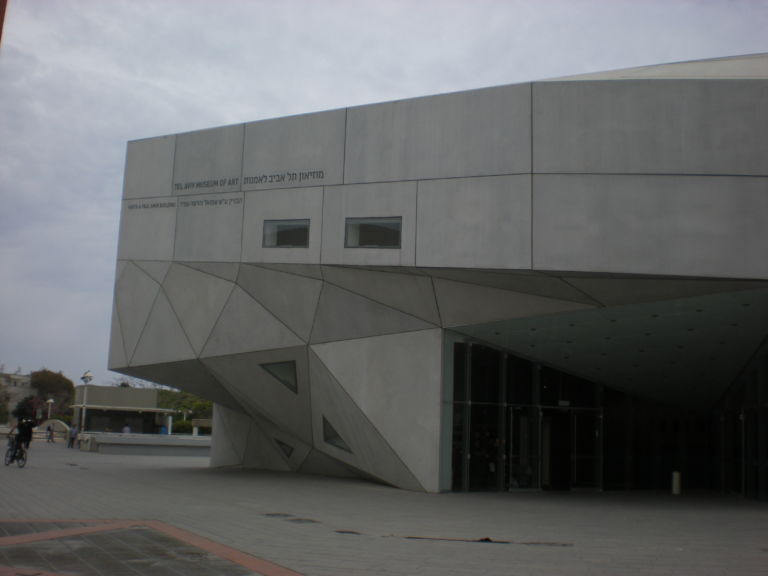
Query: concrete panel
{"x": 208, "y": 161}
{"x": 651, "y": 126}
{"x": 238, "y": 440}
{"x": 121, "y": 264}
{"x": 369, "y": 451}
{"x": 394, "y": 380}
{"x": 117, "y": 357}
{"x": 224, "y": 270}
{"x": 343, "y": 315}
{"x": 462, "y": 304}
{"x": 305, "y": 150}
{"x": 246, "y": 326}
{"x": 660, "y": 350}
{"x": 190, "y": 376}
{"x": 684, "y": 225}
{"x": 404, "y": 292}
{"x": 289, "y": 204}
{"x": 475, "y": 222}
{"x": 525, "y": 281}
{"x": 147, "y": 229}
{"x": 307, "y": 270}
{"x": 262, "y": 394}
{"x": 743, "y": 66}
{"x": 163, "y": 339}
{"x": 156, "y": 270}
{"x": 293, "y": 299}
{"x": 621, "y": 291}
{"x": 318, "y": 463}
{"x": 262, "y": 452}
{"x": 149, "y": 168}
{"x": 230, "y": 432}
{"x": 135, "y": 294}
{"x": 373, "y": 200}
{"x": 197, "y": 299}
{"x": 475, "y": 133}
{"x": 209, "y": 228}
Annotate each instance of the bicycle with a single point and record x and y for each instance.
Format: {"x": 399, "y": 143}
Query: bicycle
{"x": 14, "y": 454}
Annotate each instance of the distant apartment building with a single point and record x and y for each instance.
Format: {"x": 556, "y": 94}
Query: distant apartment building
{"x": 18, "y": 386}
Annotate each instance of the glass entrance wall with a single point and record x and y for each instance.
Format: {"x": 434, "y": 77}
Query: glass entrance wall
{"x": 518, "y": 425}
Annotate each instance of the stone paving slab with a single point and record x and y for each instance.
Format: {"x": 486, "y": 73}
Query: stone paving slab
{"x": 120, "y": 548}
{"x": 319, "y": 526}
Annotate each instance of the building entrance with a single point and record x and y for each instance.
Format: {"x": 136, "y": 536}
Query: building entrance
{"x": 518, "y": 425}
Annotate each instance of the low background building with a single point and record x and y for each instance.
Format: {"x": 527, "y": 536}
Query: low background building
{"x": 112, "y": 408}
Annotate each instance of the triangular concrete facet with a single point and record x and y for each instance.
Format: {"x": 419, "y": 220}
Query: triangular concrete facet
{"x": 230, "y": 430}
{"x": 620, "y": 291}
{"x": 526, "y": 282}
{"x": 317, "y": 462}
{"x": 262, "y": 452}
{"x": 462, "y": 304}
{"x": 135, "y": 294}
{"x": 308, "y": 270}
{"x": 261, "y": 394}
{"x": 157, "y": 270}
{"x": 117, "y": 356}
{"x": 343, "y": 315}
{"x": 292, "y": 299}
{"x": 163, "y": 339}
{"x": 197, "y": 298}
{"x": 246, "y": 326}
{"x": 392, "y": 379}
{"x": 368, "y": 452}
{"x": 407, "y": 293}
{"x": 190, "y": 376}
{"x": 119, "y": 269}
{"x": 224, "y": 270}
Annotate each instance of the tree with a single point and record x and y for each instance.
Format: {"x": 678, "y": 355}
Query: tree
{"x": 189, "y": 404}
{"x": 27, "y": 407}
{"x": 54, "y": 386}
{"x": 5, "y": 397}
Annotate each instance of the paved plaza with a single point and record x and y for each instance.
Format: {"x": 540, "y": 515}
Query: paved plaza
{"x": 79, "y": 513}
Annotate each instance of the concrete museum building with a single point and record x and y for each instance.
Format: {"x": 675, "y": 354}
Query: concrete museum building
{"x": 551, "y": 285}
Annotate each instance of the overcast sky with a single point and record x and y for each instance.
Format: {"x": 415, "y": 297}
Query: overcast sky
{"x": 79, "y": 78}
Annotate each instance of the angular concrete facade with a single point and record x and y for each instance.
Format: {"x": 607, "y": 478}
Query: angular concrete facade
{"x": 608, "y": 227}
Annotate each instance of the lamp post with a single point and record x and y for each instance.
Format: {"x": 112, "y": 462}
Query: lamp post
{"x": 50, "y": 403}
{"x": 86, "y": 378}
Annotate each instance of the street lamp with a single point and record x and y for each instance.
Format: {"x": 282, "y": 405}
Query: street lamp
{"x": 50, "y": 403}
{"x": 86, "y": 378}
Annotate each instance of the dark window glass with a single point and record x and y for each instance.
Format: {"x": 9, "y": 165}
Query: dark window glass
{"x": 285, "y": 372}
{"x": 485, "y": 374}
{"x": 373, "y": 232}
{"x": 519, "y": 381}
{"x": 459, "y": 372}
{"x": 286, "y": 233}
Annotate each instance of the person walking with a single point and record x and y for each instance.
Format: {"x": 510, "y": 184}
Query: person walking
{"x": 72, "y": 436}
{"x": 49, "y": 434}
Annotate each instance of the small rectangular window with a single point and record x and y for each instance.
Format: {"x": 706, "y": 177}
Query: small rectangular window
{"x": 286, "y": 233}
{"x": 373, "y": 232}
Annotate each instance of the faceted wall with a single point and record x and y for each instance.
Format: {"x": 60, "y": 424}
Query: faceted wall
{"x": 583, "y": 204}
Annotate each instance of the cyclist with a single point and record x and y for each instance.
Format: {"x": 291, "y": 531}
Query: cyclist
{"x": 23, "y": 435}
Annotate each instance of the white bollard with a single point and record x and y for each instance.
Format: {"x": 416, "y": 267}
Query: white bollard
{"x": 676, "y": 483}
